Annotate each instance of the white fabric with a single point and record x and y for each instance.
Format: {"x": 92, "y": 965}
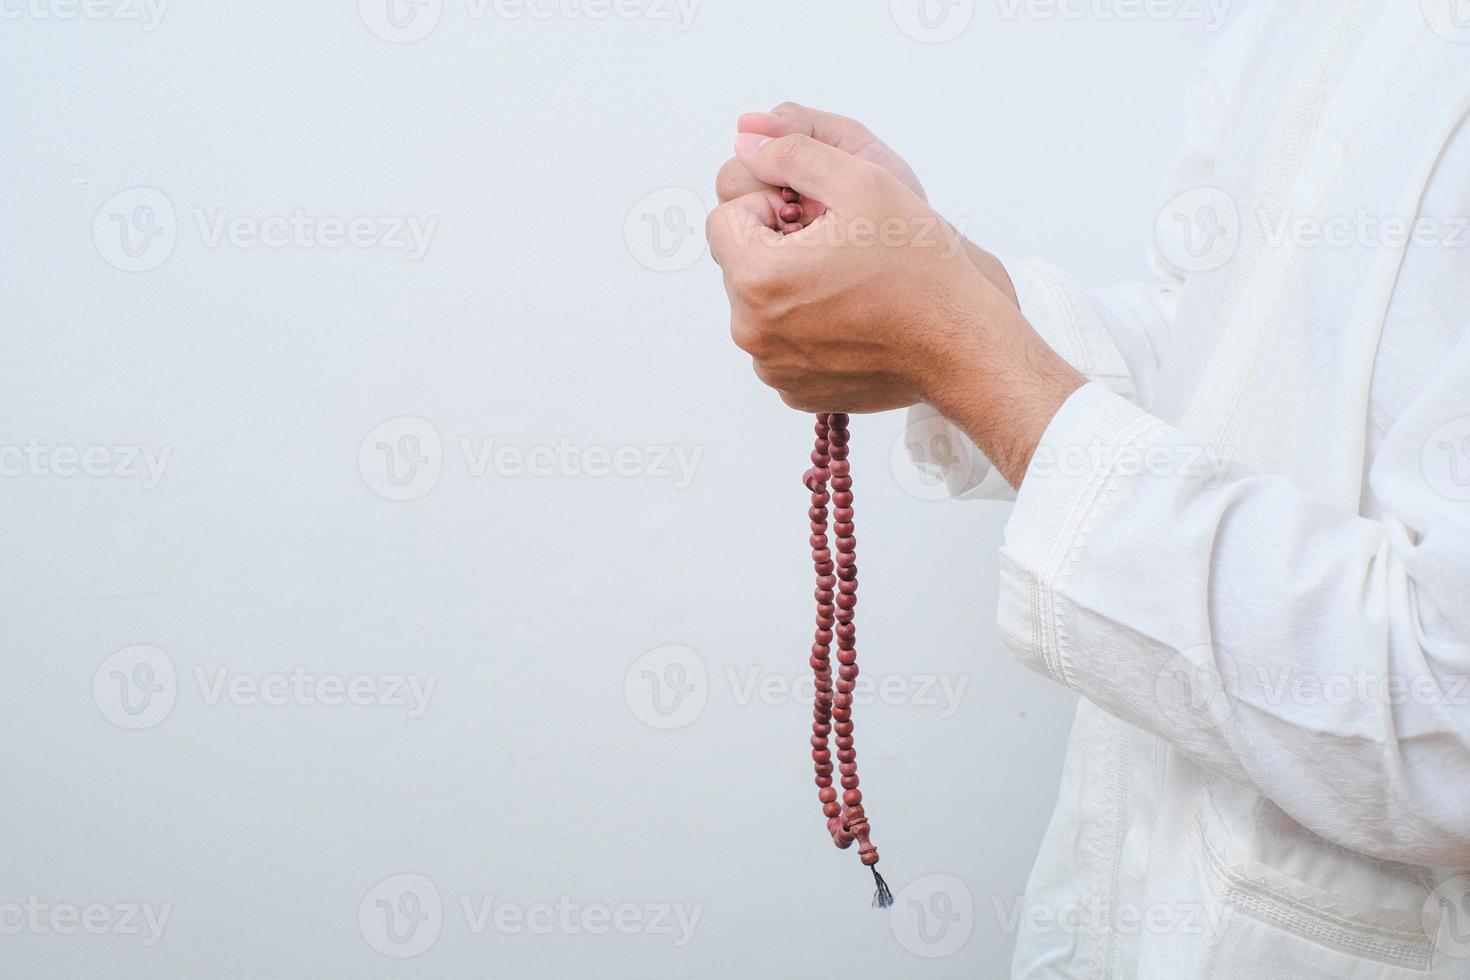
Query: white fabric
{"x": 1246, "y": 543}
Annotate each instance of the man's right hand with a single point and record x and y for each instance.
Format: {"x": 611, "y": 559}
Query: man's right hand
{"x": 852, "y": 137}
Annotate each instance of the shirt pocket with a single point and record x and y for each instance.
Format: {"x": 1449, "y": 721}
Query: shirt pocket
{"x": 1266, "y": 924}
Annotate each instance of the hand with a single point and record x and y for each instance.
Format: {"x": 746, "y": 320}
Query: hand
{"x": 874, "y": 305}
{"x": 735, "y": 179}
{"x": 789, "y": 119}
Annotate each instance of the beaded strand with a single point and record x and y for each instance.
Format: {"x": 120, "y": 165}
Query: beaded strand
{"x": 836, "y": 596}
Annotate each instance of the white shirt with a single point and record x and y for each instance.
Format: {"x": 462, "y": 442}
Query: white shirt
{"x": 1246, "y": 543}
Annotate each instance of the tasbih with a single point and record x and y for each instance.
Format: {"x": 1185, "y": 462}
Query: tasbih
{"x": 836, "y": 597}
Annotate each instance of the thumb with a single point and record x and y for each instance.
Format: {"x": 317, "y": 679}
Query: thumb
{"x": 789, "y": 118}
{"x": 839, "y": 180}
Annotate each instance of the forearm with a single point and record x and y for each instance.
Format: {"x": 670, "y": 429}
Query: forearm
{"x": 999, "y": 383}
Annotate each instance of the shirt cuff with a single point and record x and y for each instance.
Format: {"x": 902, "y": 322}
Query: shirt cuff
{"x": 1070, "y": 485}
{"x": 1067, "y": 318}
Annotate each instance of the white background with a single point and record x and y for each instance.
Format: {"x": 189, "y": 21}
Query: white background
{"x": 533, "y": 774}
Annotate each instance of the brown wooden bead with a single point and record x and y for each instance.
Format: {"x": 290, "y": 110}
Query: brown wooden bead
{"x": 830, "y": 482}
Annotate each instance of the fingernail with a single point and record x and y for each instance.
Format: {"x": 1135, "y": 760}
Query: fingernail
{"x": 750, "y": 142}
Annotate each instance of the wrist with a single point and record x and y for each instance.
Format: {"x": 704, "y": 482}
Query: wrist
{"x": 1001, "y": 385}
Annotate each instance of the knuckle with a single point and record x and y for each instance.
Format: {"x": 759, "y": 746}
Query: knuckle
{"x": 713, "y": 225}
{"x": 789, "y": 149}
{"x": 752, "y": 284}
{"x": 794, "y": 400}
{"x": 788, "y": 109}
{"x": 731, "y": 181}
{"x": 873, "y": 179}
{"x": 747, "y": 336}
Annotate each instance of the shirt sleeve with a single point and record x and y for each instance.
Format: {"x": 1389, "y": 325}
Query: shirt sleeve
{"x": 1111, "y": 335}
{"x": 1315, "y": 655}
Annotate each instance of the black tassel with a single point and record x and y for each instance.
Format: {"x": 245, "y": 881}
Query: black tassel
{"x": 882, "y": 898}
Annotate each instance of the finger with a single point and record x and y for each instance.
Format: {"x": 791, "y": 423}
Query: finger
{"x": 790, "y": 119}
{"x": 816, "y": 170}
{"x": 740, "y": 223}
{"x": 736, "y": 180}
